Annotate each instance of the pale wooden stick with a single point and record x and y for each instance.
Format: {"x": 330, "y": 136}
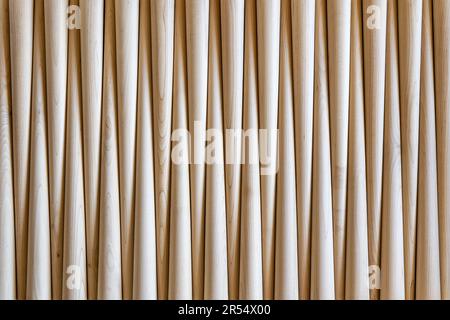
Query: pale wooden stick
{"x": 216, "y": 271}
{"x": 39, "y": 280}
{"x": 21, "y": 37}
{"x": 374, "y": 26}
{"x": 127, "y": 39}
{"x": 339, "y": 21}
{"x": 250, "y": 274}
{"x": 303, "y": 17}
{"x": 109, "y": 261}
{"x": 392, "y": 263}
{"x": 197, "y": 26}
{"x": 55, "y": 12}
{"x": 410, "y": 29}
{"x": 180, "y": 272}
{"x": 7, "y": 242}
{"x": 144, "y": 275}
{"x": 74, "y": 285}
{"x": 357, "y": 259}
{"x": 92, "y": 12}
{"x": 441, "y": 17}
{"x": 268, "y": 24}
{"x": 428, "y": 284}
{"x": 322, "y": 263}
{"x": 286, "y": 262}
{"x": 232, "y": 23}
{"x": 162, "y": 26}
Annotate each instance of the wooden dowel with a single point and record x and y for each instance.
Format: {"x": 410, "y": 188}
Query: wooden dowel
{"x": 144, "y": 275}
{"x": 55, "y": 12}
{"x": 109, "y": 261}
{"x": 441, "y": 19}
{"x": 232, "y": 23}
{"x": 92, "y": 12}
{"x": 357, "y": 259}
{"x": 410, "y": 29}
{"x": 286, "y": 262}
{"x": 216, "y": 271}
{"x": 7, "y": 241}
{"x": 180, "y": 265}
{"x": 268, "y": 24}
{"x": 392, "y": 257}
{"x": 162, "y": 29}
{"x": 374, "y": 26}
{"x": 250, "y": 272}
{"x": 21, "y": 38}
{"x": 197, "y": 26}
{"x": 127, "y": 44}
{"x": 427, "y": 270}
{"x": 39, "y": 279}
{"x": 74, "y": 284}
{"x": 303, "y": 17}
{"x": 322, "y": 262}
{"x": 339, "y": 21}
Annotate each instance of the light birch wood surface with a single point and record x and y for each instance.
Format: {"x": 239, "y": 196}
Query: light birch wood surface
{"x": 428, "y": 284}
{"x": 109, "y": 260}
{"x": 250, "y": 272}
{"x": 21, "y": 39}
{"x": 410, "y": 30}
{"x": 338, "y": 23}
{"x": 39, "y": 280}
{"x": 197, "y": 27}
{"x": 7, "y": 241}
{"x": 357, "y": 259}
{"x": 144, "y": 274}
{"x": 441, "y": 20}
{"x": 55, "y": 15}
{"x": 180, "y": 266}
{"x": 92, "y": 12}
{"x": 268, "y": 26}
{"x": 74, "y": 277}
{"x": 374, "y": 26}
{"x": 232, "y": 33}
{"x": 322, "y": 262}
{"x": 162, "y": 30}
{"x": 303, "y": 20}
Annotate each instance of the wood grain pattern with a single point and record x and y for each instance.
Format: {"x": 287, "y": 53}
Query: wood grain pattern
{"x": 92, "y": 12}
{"x": 216, "y": 271}
{"x": 374, "y": 26}
{"x": 55, "y": 14}
{"x": 286, "y": 262}
{"x": 410, "y": 30}
{"x": 109, "y": 260}
{"x": 268, "y": 24}
{"x": 441, "y": 20}
{"x": 392, "y": 256}
{"x": 180, "y": 266}
{"x": 250, "y": 272}
{"x": 21, "y": 39}
{"x": 74, "y": 278}
{"x": 232, "y": 32}
{"x": 357, "y": 259}
{"x": 127, "y": 44}
{"x": 322, "y": 262}
{"x": 303, "y": 20}
{"x": 197, "y": 26}
{"x": 144, "y": 274}
{"x": 7, "y": 242}
{"x": 428, "y": 284}
{"x": 338, "y": 24}
{"x": 162, "y": 29}
{"x": 39, "y": 280}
